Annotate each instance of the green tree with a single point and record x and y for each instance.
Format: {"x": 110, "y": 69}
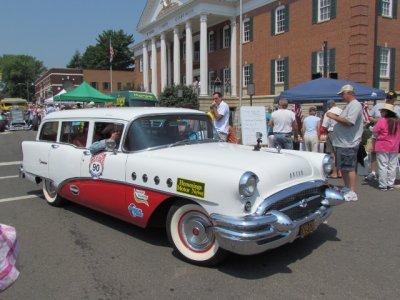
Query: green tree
{"x": 179, "y": 96}
{"x": 19, "y": 72}
{"x": 76, "y": 61}
{"x": 98, "y": 56}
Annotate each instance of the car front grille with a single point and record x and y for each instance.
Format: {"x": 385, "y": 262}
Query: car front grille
{"x": 300, "y": 204}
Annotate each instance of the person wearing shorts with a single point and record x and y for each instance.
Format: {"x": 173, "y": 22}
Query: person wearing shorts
{"x": 346, "y": 139}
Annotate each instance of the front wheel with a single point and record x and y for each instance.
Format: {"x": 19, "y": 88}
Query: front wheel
{"x": 190, "y": 233}
{"x": 50, "y": 193}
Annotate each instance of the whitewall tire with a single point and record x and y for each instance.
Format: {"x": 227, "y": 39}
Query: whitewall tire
{"x": 50, "y": 193}
{"x": 190, "y": 233}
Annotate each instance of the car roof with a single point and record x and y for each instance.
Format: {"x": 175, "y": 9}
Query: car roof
{"x": 121, "y": 113}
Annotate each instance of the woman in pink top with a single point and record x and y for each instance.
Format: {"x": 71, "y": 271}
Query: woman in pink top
{"x": 387, "y": 133}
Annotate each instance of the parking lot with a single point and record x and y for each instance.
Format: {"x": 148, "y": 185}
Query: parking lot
{"x": 76, "y": 253}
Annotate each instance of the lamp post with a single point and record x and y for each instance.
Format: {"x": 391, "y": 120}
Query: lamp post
{"x": 27, "y": 84}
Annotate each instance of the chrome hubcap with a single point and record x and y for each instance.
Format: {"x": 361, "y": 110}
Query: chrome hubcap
{"x": 196, "y": 231}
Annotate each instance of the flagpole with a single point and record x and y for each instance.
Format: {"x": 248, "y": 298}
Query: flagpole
{"x": 111, "y": 59}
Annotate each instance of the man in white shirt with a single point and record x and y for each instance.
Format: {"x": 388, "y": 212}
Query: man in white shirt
{"x": 220, "y": 110}
{"x": 283, "y": 122}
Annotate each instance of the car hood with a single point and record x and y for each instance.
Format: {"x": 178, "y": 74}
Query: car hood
{"x": 223, "y": 160}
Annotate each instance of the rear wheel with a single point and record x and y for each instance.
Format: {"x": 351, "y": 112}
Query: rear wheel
{"x": 50, "y": 194}
{"x": 190, "y": 233}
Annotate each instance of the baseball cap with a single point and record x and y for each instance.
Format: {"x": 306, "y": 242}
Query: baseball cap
{"x": 391, "y": 95}
{"x": 346, "y": 88}
{"x": 330, "y": 102}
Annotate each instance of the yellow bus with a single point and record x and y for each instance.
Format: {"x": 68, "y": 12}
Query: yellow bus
{"x": 7, "y": 103}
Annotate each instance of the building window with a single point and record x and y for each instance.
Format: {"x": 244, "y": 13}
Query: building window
{"x": 246, "y": 75}
{"x": 106, "y": 86}
{"x": 320, "y": 62}
{"x": 384, "y": 68}
{"x": 141, "y": 65}
{"x": 184, "y": 50}
{"x": 226, "y": 37}
{"x": 323, "y": 10}
{"x": 119, "y": 86}
{"x": 280, "y": 71}
{"x": 387, "y": 8}
{"x": 211, "y": 41}
{"x": 94, "y": 84}
{"x": 246, "y": 30}
{"x": 317, "y": 63}
{"x": 280, "y": 17}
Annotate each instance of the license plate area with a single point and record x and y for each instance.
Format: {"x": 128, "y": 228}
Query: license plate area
{"x": 307, "y": 228}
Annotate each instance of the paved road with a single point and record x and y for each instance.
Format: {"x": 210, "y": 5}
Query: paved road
{"x": 75, "y": 253}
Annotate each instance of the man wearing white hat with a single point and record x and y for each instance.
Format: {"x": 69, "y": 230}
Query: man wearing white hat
{"x": 346, "y": 139}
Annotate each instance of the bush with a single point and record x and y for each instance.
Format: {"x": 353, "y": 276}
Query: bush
{"x": 169, "y": 97}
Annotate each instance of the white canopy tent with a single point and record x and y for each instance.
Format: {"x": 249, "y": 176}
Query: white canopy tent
{"x": 51, "y": 99}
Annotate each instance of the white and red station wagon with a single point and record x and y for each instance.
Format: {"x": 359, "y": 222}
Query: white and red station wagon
{"x": 169, "y": 167}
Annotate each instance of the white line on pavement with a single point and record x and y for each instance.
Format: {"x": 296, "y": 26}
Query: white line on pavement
{"x": 18, "y": 198}
{"x": 10, "y": 163}
{"x": 8, "y": 177}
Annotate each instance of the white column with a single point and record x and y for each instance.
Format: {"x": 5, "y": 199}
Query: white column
{"x": 189, "y": 54}
{"x": 203, "y": 56}
{"x": 233, "y": 58}
{"x": 163, "y": 62}
{"x": 177, "y": 57}
{"x": 154, "y": 66}
{"x": 169, "y": 70}
{"x": 145, "y": 67}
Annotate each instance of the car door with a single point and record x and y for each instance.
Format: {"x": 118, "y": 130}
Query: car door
{"x": 65, "y": 156}
{"x": 102, "y": 185}
{"x": 36, "y": 153}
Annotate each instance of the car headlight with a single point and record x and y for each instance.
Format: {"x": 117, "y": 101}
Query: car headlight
{"x": 327, "y": 164}
{"x": 248, "y": 184}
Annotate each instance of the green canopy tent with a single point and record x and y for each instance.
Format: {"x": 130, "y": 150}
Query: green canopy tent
{"x": 84, "y": 93}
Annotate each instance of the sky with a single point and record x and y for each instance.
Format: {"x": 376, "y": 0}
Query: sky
{"x": 52, "y": 30}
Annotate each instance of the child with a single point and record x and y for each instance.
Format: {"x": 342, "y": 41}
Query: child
{"x": 387, "y": 133}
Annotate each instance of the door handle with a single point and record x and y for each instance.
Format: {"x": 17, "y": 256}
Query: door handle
{"x": 54, "y": 146}
{"x": 74, "y": 190}
{"x": 86, "y": 153}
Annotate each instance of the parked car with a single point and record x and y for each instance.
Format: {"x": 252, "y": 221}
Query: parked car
{"x": 3, "y": 122}
{"x": 170, "y": 168}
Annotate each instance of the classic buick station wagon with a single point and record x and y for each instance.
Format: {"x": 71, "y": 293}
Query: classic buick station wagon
{"x": 169, "y": 167}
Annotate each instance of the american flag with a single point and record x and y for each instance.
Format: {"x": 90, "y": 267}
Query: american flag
{"x": 111, "y": 52}
{"x": 296, "y": 108}
{"x": 365, "y": 113}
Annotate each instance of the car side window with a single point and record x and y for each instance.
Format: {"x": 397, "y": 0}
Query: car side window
{"x": 49, "y": 132}
{"x": 103, "y": 130}
{"x": 75, "y": 133}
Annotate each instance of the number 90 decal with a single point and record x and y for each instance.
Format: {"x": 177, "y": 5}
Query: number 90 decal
{"x": 96, "y": 165}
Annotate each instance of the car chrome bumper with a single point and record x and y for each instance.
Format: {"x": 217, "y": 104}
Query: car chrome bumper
{"x": 254, "y": 234}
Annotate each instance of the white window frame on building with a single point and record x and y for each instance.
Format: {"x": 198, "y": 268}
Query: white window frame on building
{"x": 246, "y": 75}
{"x": 246, "y": 30}
{"x": 280, "y": 71}
{"x": 280, "y": 19}
{"x": 387, "y": 8}
{"x": 324, "y": 10}
{"x": 184, "y": 50}
{"x": 141, "y": 65}
{"x": 211, "y": 79}
{"x": 211, "y": 41}
{"x": 226, "y": 37}
{"x": 320, "y": 61}
{"x": 384, "y": 65}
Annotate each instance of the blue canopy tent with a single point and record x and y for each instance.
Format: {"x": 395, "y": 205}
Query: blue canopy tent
{"x": 323, "y": 89}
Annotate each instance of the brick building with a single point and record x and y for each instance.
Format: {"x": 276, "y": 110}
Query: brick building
{"x": 57, "y": 79}
{"x": 282, "y": 44}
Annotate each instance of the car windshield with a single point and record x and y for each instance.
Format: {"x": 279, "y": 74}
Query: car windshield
{"x": 169, "y": 130}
